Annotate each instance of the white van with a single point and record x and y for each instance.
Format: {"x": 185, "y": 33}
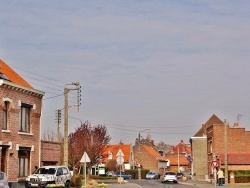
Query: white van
{"x": 59, "y": 175}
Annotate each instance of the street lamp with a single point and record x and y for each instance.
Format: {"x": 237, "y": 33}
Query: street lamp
{"x": 141, "y": 132}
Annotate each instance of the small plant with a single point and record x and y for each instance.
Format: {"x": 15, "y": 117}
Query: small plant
{"x": 102, "y": 185}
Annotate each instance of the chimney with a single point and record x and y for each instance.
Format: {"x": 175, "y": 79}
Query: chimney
{"x": 236, "y": 125}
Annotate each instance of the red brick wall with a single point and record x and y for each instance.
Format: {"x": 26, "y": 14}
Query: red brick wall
{"x": 145, "y": 159}
{"x": 238, "y": 140}
{"x": 26, "y": 140}
{"x": 51, "y": 152}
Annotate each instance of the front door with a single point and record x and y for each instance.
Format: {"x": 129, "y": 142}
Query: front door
{"x": 3, "y": 159}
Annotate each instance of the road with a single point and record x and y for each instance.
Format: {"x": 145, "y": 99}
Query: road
{"x": 148, "y": 184}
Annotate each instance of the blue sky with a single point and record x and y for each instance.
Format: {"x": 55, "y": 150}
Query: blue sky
{"x": 163, "y": 65}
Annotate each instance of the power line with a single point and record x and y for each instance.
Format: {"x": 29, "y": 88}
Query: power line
{"x": 38, "y": 75}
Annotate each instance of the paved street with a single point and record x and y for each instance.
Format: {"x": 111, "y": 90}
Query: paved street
{"x": 158, "y": 184}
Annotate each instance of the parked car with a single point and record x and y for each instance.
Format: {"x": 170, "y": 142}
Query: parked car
{"x": 110, "y": 173}
{"x": 47, "y": 175}
{"x": 152, "y": 175}
{"x": 169, "y": 177}
{"x": 180, "y": 175}
{"x": 3, "y": 180}
{"x": 123, "y": 174}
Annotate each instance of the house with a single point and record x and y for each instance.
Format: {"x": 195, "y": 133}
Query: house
{"x": 111, "y": 153}
{"x": 177, "y": 157}
{"x": 147, "y": 156}
{"x": 21, "y": 106}
{"x": 225, "y": 144}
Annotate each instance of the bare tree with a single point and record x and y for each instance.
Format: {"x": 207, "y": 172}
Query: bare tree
{"x": 164, "y": 147}
{"x": 51, "y": 136}
{"x": 91, "y": 140}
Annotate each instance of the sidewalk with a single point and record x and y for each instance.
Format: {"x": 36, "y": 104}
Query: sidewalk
{"x": 209, "y": 184}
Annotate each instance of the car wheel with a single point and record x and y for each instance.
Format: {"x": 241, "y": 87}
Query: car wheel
{"x": 67, "y": 184}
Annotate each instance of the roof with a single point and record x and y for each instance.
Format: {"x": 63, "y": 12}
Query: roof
{"x": 152, "y": 151}
{"x": 182, "y": 147}
{"x": 173, "y": 158}
{"x": 113, "y": 149}
{"x": 236, "y": 159}
{"x": 212, "y": 120}
{"x": 12, "y": 76}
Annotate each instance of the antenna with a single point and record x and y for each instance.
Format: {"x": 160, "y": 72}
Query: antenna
{"x": 239, "y": 116}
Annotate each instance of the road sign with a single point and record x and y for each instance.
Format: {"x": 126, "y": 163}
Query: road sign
{"x": 214, "y": 164}
{"x": 85, "y": 158}
{"x": 119, "y": 153}
{"x": 120, "y": 160}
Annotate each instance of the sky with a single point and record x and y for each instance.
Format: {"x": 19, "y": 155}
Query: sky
{"x": 160, "y": 68}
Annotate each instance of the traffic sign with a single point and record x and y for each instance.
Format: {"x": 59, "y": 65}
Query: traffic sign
{"x": 120, "y": 160}
{"x": 119, "y": 153}
{"x": 85, "y": 158}
{"x": 214, "y": 164}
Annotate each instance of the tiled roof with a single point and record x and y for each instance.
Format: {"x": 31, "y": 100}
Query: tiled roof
{"x": 236, "y": 159}
{"x": 173, "y": 158}
{"x": 12, "y": 75}
{"x": 152, "y": 151}
{"x": 212, "y": 120}
{"x": 183, "y": 149}
{"x": 125, "y": 148}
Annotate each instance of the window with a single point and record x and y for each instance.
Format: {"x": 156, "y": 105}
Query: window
{"x": 110, "y": 155}
{"x": 5, "y": 115}
{"x": 23, "y": 158}
{"x": 24, "y": 118}
{"x": 59, "y": 172}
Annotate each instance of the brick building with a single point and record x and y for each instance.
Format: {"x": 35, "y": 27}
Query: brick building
{"x": 20, "y": 106}
{"x": 147, "y": 156}
{"x": 234, "y": 141}
{"x": 111, "y": 151}
{"x": 177, "y": 157}
{"x": 51, "y": 153}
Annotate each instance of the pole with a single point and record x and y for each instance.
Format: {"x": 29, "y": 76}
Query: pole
{"x": 85, "y": 176}
{"x": 225, "y": 153}
{"x": 215, "y": 177}
{"x": 66, "y": 91}
{"x": 192, "y": 169}
{"x": 178, "y": 159}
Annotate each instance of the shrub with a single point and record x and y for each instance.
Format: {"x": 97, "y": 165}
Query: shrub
{"x": 76, "y": 180}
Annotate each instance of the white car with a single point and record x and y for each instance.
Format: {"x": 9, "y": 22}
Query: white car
{"x": 49, "y": 175}
{"x": 169, "y": 177}
{"x": 3, "y": 180}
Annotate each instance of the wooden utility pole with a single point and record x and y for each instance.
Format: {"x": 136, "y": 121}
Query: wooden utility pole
{"x": 66, "y": 118}
{"x": 66, "y": 121}
{"x": 225, "y": 152}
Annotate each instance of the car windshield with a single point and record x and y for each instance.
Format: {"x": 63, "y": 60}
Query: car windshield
{"x": 45, "y": 171}
{"x": 169, "y": 173}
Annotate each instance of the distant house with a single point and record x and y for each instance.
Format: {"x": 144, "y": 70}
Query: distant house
{"x": 219, "y": 138}
{"x": 111, "y": 151}
{"x": 177, "y": 157}
{"x": 20, "y": 106}
{"x": 147, "y": 156}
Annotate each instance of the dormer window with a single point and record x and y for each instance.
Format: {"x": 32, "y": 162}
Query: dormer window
{"x": 2, "y": 76}
{"x": 110, "y": 155}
